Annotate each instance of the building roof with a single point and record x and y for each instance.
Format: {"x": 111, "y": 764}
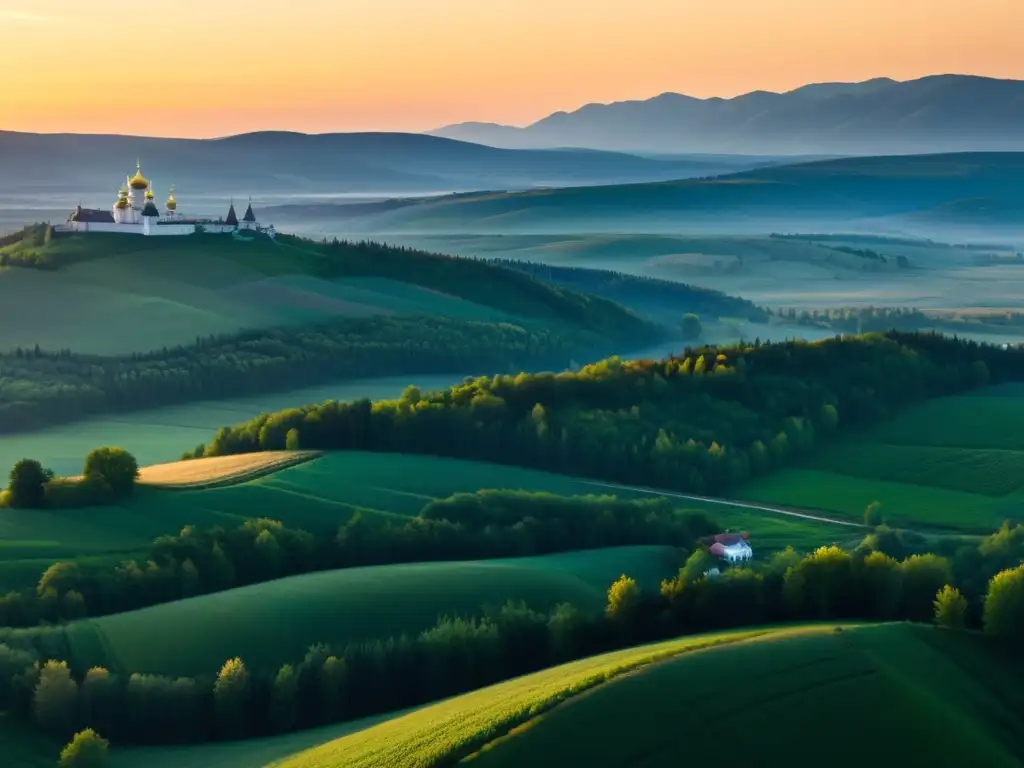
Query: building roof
{"x": 138, "y": 181}
{"x": 92, "y": 216}
{"x": 249, "y": 215}
{"x": 232, "y": 219}
{"x": 150, "y": 209}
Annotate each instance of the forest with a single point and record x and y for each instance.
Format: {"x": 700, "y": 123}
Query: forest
{"x": 648, "y": 296}
{"x": 40, "y": 685}
{"x": 907, "y": 319}
{"x": 40, "y": 388}
{"x": 702, "y": 422}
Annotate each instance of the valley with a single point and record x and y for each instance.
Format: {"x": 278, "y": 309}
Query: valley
{"x": 453, "y": 477}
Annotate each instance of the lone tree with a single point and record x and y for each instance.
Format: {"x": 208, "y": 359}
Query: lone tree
{"x": 873, "y": 515}
{"x": 114, "y": 468}
{"x": 623, "y": 598}
{"x": 86, "y": 750}
{"x": 692, "y": 328}
{"x": 1004, "y": 604}
{"x": 27, "y": 486}
{"x": 950, "y": 608}
{"x": 292, "y": 441}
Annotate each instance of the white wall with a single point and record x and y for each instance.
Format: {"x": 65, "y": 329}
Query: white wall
{"x": 124, "y": 229}
{"x": 162, "y": 230}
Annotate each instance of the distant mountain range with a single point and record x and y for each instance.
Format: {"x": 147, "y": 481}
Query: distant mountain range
{"x": 269, "y": 164}
{"x": 914, "y": 193}
{"x": 942, "y": 113}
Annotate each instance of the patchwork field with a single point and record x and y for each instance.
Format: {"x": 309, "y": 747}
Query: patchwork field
{"x": 954, "y": 463}
{"x": 792, "y": 691}
{"x": 317, "y": 494}
{"x": 271, "y": 623}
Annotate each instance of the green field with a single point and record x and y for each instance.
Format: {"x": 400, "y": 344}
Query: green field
{"x": 152, "y": 296}
{"x": 275, "y": 622}
{"x": 158, "y": 435}
{"x": 318, "y": 494}
{"x": 787, "y": 695}
{"x": 788, "y": 700}
{"x": 954, "y": 463}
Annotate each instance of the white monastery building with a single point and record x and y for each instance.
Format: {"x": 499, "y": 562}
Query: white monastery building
{"x": 135, "y": 212}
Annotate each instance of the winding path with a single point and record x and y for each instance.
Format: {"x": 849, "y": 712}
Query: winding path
{"x": 726, "y": 503}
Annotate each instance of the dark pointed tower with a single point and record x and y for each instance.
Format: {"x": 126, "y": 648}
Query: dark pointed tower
{"x": 249, "y": 217}
{"x": 232, "y": 219}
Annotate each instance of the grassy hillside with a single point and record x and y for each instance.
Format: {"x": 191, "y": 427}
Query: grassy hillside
{"x": 956, "y": 702}
{"x": 319, "y": 494}
{"x": 268, "y": 624}
{"x": 802, "y": 690}
{"x": 830, "y": 190}
{"x": 108, "y": 294}
{"x": 956, "y": 462}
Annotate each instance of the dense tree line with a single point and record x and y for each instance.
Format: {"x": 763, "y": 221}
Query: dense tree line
{"x": 702, "y": 422}
{"x": 648, "y": 296}
{"x": 477, "y": 280}
{"x": 459, "y": 654}
{"x": 39, "y": 388}
{"x": 486, "y": 524}
{"x": 904, "y": 319}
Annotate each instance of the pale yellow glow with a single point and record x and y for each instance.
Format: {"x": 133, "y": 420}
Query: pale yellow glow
{"x": 214, "y": 67}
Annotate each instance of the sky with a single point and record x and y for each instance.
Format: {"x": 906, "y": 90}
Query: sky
{"x": 202, "y": 68}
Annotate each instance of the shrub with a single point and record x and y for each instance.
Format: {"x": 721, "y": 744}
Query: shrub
{"x": 623, "y": 598}
{"x": 86, "y": 750}
{"x": 114, "y": 467}
{"x": 950, "y": 608}
{"x": 1004, "y": 604}
{"x": 27, "y": 486}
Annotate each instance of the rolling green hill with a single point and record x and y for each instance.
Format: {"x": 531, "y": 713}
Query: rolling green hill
{"x": 208, "y": 317}
{"x": 784, "y": 695}
{"x": 832, "y": 190}
{"x": 111, "y": 294}
{"x": 956, "y": 462}
{"x": 317, "y": 495}
{"x": 274, "y": 622}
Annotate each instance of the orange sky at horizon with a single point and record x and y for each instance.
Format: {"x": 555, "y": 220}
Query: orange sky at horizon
{"x": 201, "y": 68}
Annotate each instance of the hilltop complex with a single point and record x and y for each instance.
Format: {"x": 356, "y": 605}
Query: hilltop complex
{"x": 135, "y": 213}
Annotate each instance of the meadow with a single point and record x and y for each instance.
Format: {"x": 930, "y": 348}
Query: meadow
{"x": 792, "y": 691}
{"x": 274, "y": 622}
{"x": 320, "y": 493}
{"x": 954, "y": 463}
{"x": 791, "y": 696}
{"x": 121, "y": 296}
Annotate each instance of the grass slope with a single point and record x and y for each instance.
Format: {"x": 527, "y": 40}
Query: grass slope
{"x": 268, "y": 624}
{"x": 783, "y": 695}
{"x": 790, "y": 700}
{"x": 108, "y": 294}
{"x": 955, "y": 462}
{"x": 317, "y": 494}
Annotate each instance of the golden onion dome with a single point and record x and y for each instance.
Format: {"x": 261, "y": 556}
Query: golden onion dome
{"x": 149, "y": 194}
{"x": 138, "y": 181}
{"x": 122, "y": 202}
{"x": 172, "y": 204}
